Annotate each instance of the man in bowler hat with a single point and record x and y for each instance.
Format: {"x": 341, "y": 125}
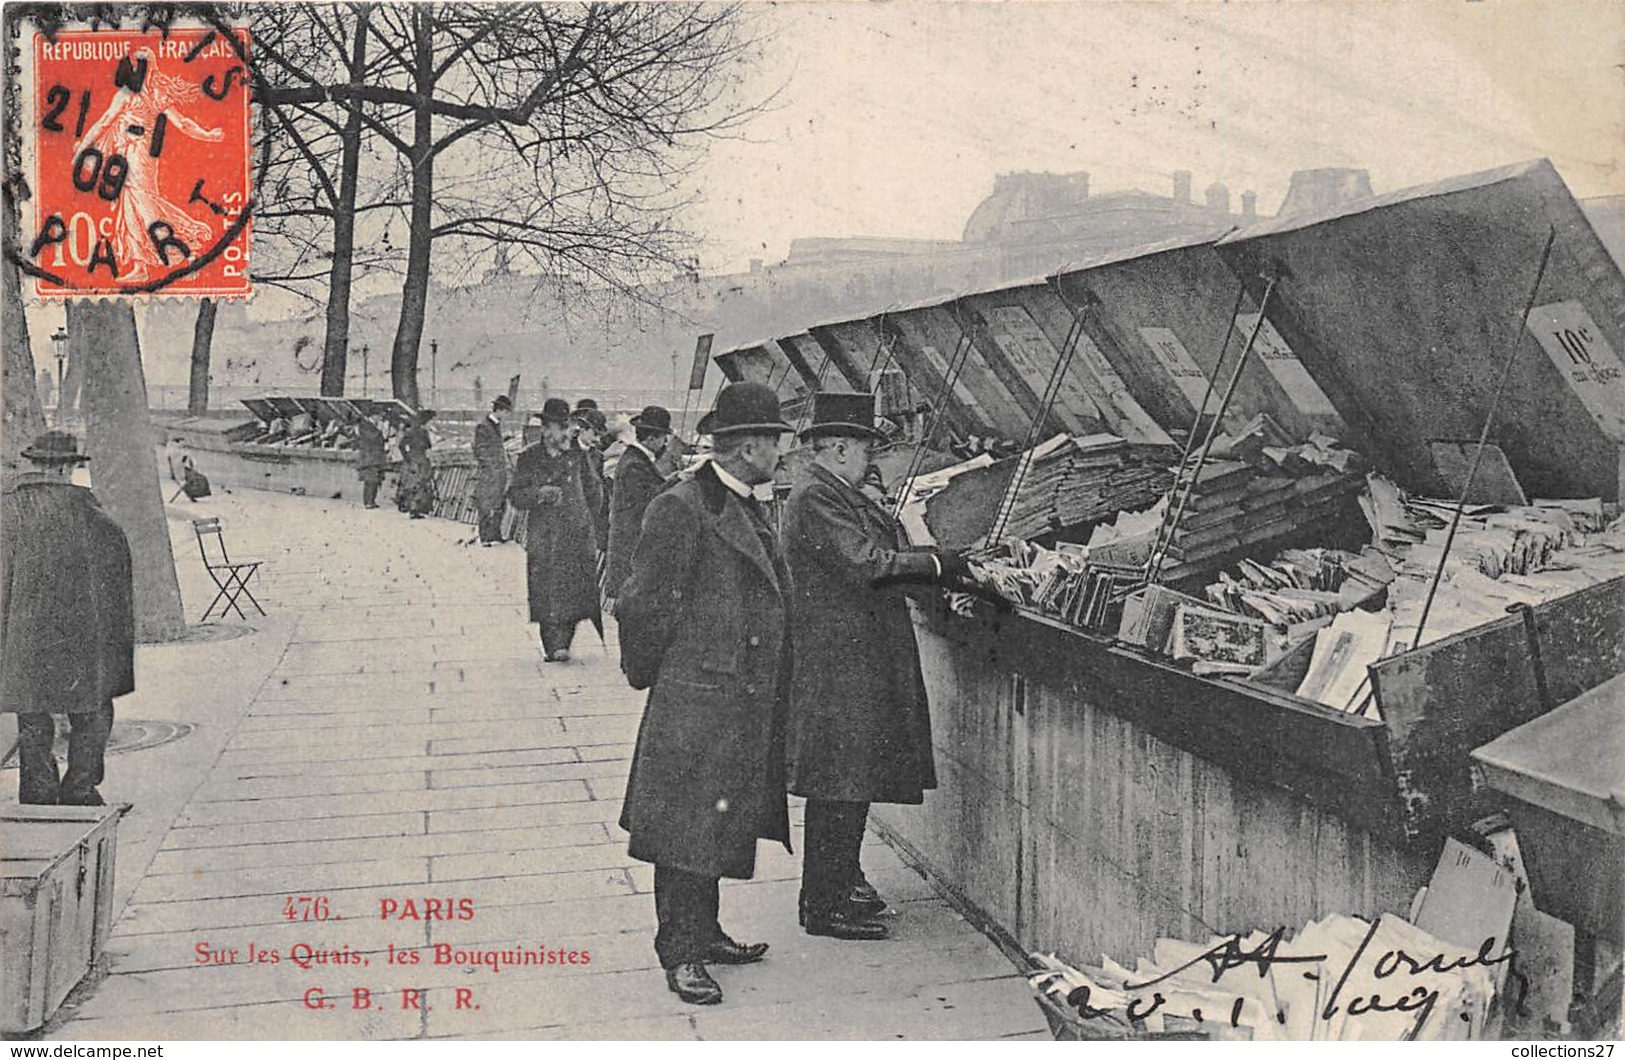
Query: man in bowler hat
{"x": 859, "y": 727}
{"x": 491, "y": 481}
{"x": 67, "y": 622}
{"x": 704, "y": 628}
{"x": 559, "y": 493}
{"x": 637, "y": 480}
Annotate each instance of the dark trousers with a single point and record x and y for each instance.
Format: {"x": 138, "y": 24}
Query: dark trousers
{"x": 491, "y": 524}
{"x": 829, "y": 855}
{"x": 369, "y": 492}
{"x": 686, "y": 907}
{"x": 556, "y": 636}
{"x": 38, "y": 782}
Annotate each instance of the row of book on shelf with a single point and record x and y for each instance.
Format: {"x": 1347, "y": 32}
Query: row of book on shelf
{"x": 1258, "y": 563}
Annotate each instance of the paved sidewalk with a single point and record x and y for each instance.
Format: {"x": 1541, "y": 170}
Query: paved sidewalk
{"x": 409, "y": 747}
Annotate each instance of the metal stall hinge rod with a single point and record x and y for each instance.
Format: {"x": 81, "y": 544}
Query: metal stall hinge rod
{"x": 1166, "y": 540}
{"x": 1484, "y": 435}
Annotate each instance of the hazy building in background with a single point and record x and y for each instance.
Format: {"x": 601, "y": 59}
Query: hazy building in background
{"x": 632, "y": 352}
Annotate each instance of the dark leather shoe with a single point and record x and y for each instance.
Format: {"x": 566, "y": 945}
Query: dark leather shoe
{"x": 846, "y": 924}
{"x": 693, "y": 984}
{"x": 726, "y": 951}
{"x": 865, "y": 899}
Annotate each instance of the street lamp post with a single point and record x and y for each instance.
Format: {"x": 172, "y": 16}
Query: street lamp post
{"x": 59, "y": 346}
{"x": 365, "y": 375}
{"x": 434, "y": 373}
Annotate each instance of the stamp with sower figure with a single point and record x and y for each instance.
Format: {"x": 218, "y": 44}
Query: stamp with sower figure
{"x": 142, "y": 179}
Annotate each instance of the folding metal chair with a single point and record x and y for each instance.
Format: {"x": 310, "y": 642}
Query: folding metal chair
{"x": 230, "y": 578}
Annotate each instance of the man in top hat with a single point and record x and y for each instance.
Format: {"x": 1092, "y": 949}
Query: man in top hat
{"x": 67, "y": 622}
{"x": 491, "y": 483}
{"x": 859, "y": 727}
{"x": 559, "y": 493}
{"x": 637, "y": 480}
{"x": 704, "y": 627}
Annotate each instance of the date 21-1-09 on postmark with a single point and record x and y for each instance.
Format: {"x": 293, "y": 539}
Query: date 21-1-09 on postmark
{"x": 141, "y": 162}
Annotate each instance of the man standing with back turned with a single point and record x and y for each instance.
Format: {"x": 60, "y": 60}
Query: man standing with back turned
{"x": 491, "y": 484}
{"x": 637, "y": 481}
{"x": 703, "y": 626}
{"x": 859, "y": 726}
{"x": 67, "y": 622}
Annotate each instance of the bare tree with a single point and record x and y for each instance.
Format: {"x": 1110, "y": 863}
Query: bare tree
{"x": 560, "y": 131}
{"x": 315, "y": 62}
{"x": 197, "y": 388}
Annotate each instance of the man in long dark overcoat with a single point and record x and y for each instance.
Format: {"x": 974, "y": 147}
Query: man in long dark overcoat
{"x": 703, "y": 626}
{"x": 371, "y": 460}
{"x": 67, "y": 623}
{"x": 637, "y": 480}
{"x": 491, "y": 481}
{"x": 859, "y": 725}
{"x": 559, "y": 493}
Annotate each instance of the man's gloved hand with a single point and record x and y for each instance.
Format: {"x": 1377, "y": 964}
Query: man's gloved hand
{"x": 549, "y": 494}
{"x": 955, "y": 569}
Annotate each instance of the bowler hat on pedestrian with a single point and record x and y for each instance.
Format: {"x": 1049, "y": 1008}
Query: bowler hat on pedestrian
{"x": 590, "y": 417}
{"x": 502, "y": 404}
{"x": 653, "y": 418}
{"x": 842, "y": 415}
{"x": 555, "y": 410}
{"x": 55, "y": 447}
{"x": 744, "y": 408}
{"x": 585, "y": 403}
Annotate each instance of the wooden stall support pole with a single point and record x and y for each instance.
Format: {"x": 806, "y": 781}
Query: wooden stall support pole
{"x": 1069, "y": 346}
{"x": 1213, "y": 379}
{"x": 950, "y": 379}
{"x": 1052, "y": 390}
{"x": 1484, "y": 435}
{"x": 1154, "y": 563}
{"x": 882, "y": 357}
{"x": 806, "y": 413}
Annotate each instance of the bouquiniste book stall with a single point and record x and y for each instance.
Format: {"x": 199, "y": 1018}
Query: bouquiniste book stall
{"x": 1251, "y": 625}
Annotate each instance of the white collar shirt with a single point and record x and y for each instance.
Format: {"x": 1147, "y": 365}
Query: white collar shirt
{"x": 735, "y": 486}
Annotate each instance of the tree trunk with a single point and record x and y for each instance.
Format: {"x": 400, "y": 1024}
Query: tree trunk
{"x": 123, "y": 463}
{"x": 21, "y": 418}
{"x": 197, "y": 390}
{"x": 336, "y": 347}
{"x": 403, "y": 362}
{"x": 73, "y": 381}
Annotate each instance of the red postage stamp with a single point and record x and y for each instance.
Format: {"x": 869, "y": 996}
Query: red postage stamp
{"x": 142, "y": 163}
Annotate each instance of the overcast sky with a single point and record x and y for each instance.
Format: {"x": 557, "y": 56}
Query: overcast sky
{"x": 893, "y": 118}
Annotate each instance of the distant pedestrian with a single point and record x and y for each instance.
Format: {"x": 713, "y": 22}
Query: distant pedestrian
{"x": 491, "y": 486}
{"x": 193, "y": 482}
{"x": 414, "y": 494}
{"x": 553, "y": 484}
{"x": 588, "y": 427}
{"x": 637, "y": 480}
{"x": 704, "y": 627}
{"x": 370, "y": 459}
{"x": 67, "y": 623}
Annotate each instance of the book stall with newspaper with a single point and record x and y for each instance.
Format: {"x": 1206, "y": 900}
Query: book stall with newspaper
{"x": 1260, "y": 564}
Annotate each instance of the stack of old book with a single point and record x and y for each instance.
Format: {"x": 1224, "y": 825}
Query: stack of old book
{"x": 1236, "y": 507}
{"x": 1066, "y": 482}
